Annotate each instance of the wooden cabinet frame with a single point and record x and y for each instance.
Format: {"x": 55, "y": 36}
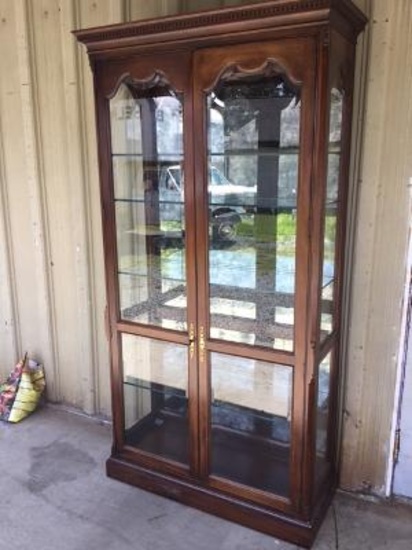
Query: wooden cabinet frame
{"x": 312, "y": 43}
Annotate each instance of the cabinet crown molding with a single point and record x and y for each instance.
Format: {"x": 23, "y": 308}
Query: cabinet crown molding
{"x": 275, "y": 13}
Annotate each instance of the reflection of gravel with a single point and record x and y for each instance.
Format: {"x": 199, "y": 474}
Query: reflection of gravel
{"x": 271, "y": 298}
{"x": 250, "y": 268}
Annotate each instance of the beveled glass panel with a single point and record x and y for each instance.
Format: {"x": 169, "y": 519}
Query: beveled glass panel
{"x": 323, "y": 409}
{"x": 331, "y": 214}
{"x": 253, "y": 157}
{"x": 251, "y": 414}
{"x": 147, "y": 147}
{"x": 155, "y": 380}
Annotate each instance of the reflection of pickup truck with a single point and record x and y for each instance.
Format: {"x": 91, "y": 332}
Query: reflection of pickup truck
{"x": 227, "y": 201}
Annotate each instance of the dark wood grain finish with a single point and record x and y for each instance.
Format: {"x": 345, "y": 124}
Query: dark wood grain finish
{"x": 279, "y": 13}
{"x": 310, "y": 44}
{"x": 214, "y": 502}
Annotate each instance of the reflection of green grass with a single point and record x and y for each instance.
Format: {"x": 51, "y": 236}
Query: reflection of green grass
{"x": 271, "y": 228}
{"x": 330, "y": 237}
{"x": 281, "y": 229}
{"x": 171, "y": 225}
{"x": 330, "y": 228}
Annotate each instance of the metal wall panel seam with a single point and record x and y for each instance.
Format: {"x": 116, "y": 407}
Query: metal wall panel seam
{"x": 377, "y": 286}
{"x": 127, "y": 10}
{"x": 31, "y": 117}
{"x": 86, "y": 17}
{"x": 92, "y": 274}
{"x": 357, "y": 154}
{"x": 391, "y": 173}
{"x": 8, "y": 278}
{"x": 404, "y": 340}
{"x": 80, "y": 205}
{"x": 117, "y": 11}
{"x": 361, "y": 295}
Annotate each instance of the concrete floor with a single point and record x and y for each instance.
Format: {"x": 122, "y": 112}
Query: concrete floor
{"x": 55, "y": 496}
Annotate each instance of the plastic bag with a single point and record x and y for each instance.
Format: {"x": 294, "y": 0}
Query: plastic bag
{"x": 21, "y": 393}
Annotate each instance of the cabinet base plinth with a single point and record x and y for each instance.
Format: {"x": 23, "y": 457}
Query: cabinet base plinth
{"x": 276, "y": 524}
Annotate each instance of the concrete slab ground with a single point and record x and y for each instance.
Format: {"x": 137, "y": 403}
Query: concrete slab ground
{"x": 54, "y": 495}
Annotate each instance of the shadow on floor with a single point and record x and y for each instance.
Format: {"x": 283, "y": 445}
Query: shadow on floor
{"x": 55, "y": 495}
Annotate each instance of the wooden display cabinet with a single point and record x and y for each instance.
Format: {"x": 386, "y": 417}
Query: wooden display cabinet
{"x": 224, "y": 149}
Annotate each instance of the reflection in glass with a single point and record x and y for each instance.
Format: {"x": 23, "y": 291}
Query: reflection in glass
{"x": 155, "y": 396}
{"x": 323, "y": 407}
{"x": 147, "y": 153}
{"x": 251, "y": 413}
{"x": 253, "y": 155}
{"x": 331, "y": 213}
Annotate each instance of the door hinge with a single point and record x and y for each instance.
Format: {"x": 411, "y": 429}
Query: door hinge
{"x": 397, "y": 446}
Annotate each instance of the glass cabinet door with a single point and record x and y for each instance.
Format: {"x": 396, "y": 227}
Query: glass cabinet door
{"x": 147, "y": 160}
{"x": 251, "y": 112}
{"x": 205, "y": 190}
{"x": 252, "y": 163}
{"x": 146, "y": 122}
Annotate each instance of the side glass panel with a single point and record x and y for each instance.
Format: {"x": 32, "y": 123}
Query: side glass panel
{"x": 331, "y": 213}
{"x": 155, "y": 397}
{"x": 251, "y": 414}
{"x": 253, "y": 153}
{"x": 323, "y": 408}
{"x": 147, "y": 153}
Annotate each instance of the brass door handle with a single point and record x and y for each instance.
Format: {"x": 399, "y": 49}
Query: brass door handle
{"x": 192, "y": 341}
{"x": 202, "y": 344}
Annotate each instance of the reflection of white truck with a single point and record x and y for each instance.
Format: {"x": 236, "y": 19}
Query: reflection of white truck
{"x": 227, "y": 201}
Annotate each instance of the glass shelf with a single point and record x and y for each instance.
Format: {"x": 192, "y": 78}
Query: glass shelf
{"x": 329, "y": 281}
{"x": 233, "y": 417}
{"x": 148, "y": 200}
{"x": 160, "y": 389}
{"x": 275, "y": 152}
{"x": 158, "y": 159}
{"x": 154, "y": 280}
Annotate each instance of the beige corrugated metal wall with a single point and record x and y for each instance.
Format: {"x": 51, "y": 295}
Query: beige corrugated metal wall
{"x": 52, "y": 295}
{"x": 381, "y": 244}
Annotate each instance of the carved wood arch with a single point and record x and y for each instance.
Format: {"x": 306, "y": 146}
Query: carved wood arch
{"x": 270, "y": 68}
{"x": 264, "y": 58}
{"x": 141, "y": 88}
{"x": 144, "y": 73}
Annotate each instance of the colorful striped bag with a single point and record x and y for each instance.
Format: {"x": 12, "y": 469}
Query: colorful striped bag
{"x": 21, "y": 393}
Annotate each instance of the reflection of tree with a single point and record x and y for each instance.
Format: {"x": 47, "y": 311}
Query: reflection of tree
{"x": 254, "y": 133}
{"x": 169, "y": 125}
{"x": 335, "y": 131}
{"x": 335, "y": 123}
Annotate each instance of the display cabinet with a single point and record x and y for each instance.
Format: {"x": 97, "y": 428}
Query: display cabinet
{"x": 224, "y": 150}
